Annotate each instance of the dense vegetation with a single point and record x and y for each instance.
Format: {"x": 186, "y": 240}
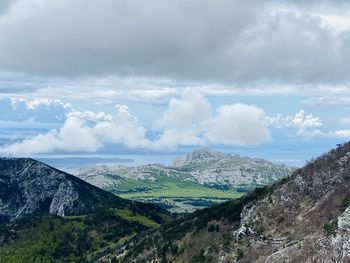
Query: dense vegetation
{"x": 82, "y": 238}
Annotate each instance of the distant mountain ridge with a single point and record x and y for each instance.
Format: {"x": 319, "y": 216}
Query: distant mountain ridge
{"x": 195, "y": 180}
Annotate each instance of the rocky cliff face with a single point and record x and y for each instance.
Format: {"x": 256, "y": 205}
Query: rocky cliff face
{"x": 31, "y": 187}
{"x": 306, "y": 219}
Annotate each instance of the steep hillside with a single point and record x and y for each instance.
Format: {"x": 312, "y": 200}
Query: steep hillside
{"x": 304, "y": 218}
{"x": 51, "y": 216}
{"x": 31, "y": 187}
{"x": 193, "y": 181}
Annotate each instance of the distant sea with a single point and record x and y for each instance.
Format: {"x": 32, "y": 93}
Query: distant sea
{"x": 70, "y": 163}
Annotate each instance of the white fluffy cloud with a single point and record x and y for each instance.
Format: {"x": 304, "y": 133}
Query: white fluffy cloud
{"x": 189, "y": 122}
{"x": 74, "y": 135}
{"x": 187, "y": 111}
{"x": 306, "y": 121}
{"x": 122, "y": 129}
{"x": 238, "y": 124}
{"x": 186, "y": 122}
{"x": 300, "y": 120}
{"x": 172, "y": 138}
{"x": 308, "y": 125}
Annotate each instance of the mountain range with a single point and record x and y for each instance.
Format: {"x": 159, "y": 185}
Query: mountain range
{"x": 51, "y": 216}
{"x": 196, "y": 180}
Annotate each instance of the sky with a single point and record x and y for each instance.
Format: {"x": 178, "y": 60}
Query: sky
{"x": 267, "y": 78}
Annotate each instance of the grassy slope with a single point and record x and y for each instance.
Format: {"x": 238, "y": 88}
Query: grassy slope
{"x": 173, "y": 193}
{"x": 172, "y": 187}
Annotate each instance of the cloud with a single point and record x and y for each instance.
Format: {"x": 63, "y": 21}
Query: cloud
{"x": 306, "y": 121}
{"x": 332, "y": 100}
{"x": 76, "y": 136}
{"x": 114, "y": 36}
{"x": 316, "y": 133}
{"x": 301, "y": 120}
{"x": 340, "y": 134}
{"x": 73, "y": 136}
{"x": 308, "y": 125}
{"x": 229, "y": 42}
{"x": 122, "y": 129}
{"x": 238, "y": 124}
{"x": 113, "y": 89}
{"x": 42, "y": 102}
{"x": 173, "y": 138}
{"x": 345, "y": 120}
{"x": 187, "y": 111}
{"x": 5, "y": 5}
{"x": 90, "y": 116}
{"x": 41, "y": 143}
{"x": 186, "y": 122}
{"x": 38, "y": 110}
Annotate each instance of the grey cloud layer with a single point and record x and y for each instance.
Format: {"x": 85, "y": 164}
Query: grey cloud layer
{"x": 227, "y": 41}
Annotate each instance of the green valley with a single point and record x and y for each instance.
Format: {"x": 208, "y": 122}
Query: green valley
{"x": 197, "y": 180}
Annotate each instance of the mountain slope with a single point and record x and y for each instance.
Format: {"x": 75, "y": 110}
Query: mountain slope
{"x": 196, "y": 180}
{"x": 304, "y": 218}
{"x": 51, "y": 216}
{"x": 31, "y": 187}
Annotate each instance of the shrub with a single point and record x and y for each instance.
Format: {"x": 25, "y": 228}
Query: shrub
{"x": 331, "y": 227}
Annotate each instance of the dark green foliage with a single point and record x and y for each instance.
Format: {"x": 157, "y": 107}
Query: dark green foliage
{"x": 240, "y": 254}
{"x": 211, "y": 228}
{"x": 331, "y": 227}
{"x": 227, "y": 239}
{"x": 345, "y": 203}
{"x": 174, "y": 249}
{"x": 270, "y": 199}
{"x": 199, "y": 258}
{"x": 72, "y": 239}
{"x": 200, "y": 203}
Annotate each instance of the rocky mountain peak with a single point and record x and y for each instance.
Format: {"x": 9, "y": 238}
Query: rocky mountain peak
{"x": 198, "y": 156}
